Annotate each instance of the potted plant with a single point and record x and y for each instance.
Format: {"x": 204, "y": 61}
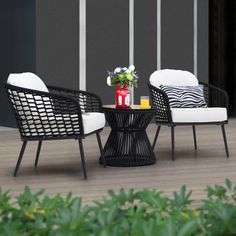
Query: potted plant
{"x": 124, "y": 78}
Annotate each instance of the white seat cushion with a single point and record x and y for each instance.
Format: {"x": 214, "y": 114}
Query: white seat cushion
{"x": 198, "y": 115}
{"x": 93, "y": 121}
{"x": 64, "y": 124}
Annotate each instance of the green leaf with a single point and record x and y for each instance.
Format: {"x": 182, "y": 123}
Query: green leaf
{"x": 188, "y": 229}
{"x": 112, "y": 214}
{"x": 228, "y": 184}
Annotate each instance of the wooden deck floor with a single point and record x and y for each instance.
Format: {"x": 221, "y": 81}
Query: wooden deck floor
{"x": 59, "y": 169}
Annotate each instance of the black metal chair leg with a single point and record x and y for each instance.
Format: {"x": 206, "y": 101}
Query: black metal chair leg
{"x": 173, "y": 142}
{"x": 100, "y": 148}
{"x": 156, "y": 136}
{"x": 20, "y": 157}
{"x": 82, "y": 158}
{"x": 225, "y": 140}
{"x": 194, "y": 137}
{"x": 37, "y": 154}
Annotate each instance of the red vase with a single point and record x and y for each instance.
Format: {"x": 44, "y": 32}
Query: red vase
{"x": 122, "y": 97}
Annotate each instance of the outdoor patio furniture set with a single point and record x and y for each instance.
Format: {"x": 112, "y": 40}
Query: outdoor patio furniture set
{"x": 51, "y": 113}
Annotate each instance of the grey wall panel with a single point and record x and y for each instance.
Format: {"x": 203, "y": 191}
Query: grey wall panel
{"x": 177, "y": 34}
{"x": 107, "y": 43}
{"x": 17, "y": 47}
{"x": 145, "y": 43}
{"x": 203, "y": 40}
{"x": 57, "y": 42}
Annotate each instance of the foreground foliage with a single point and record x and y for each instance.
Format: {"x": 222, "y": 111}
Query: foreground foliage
{"x": 138, "y": 213}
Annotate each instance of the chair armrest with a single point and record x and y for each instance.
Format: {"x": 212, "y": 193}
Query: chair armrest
{"x": 89, "y": 102}
{"x": 214, "y": 96}
{"x": 45, "y": 115}
{"x": 160, "y": 102}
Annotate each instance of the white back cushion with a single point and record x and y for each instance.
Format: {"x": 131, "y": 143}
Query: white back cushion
{"x": 173, "y": 78}
{"x": 27, "y": 80}
{"x": 32, "y": 109}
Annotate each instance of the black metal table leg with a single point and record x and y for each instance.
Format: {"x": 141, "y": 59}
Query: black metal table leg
{"x": 101, "y": 150}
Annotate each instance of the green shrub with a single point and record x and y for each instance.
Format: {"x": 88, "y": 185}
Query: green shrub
{"x": 138, "y": 213}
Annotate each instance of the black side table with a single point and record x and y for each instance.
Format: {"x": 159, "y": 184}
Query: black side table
{"x": 128, "y": 143}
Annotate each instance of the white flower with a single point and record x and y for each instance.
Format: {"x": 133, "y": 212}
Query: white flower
{"x": 124, "y": 68}
{"x": 117, "y": 70}
{"x": 132, "y": 67}
{"x": 128, "y": 71}
{"x": 109, "y": 80}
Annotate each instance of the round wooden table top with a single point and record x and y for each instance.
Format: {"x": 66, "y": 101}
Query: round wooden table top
{"x": 132, "y": 107}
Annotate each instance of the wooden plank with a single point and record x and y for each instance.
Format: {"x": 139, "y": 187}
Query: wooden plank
{"x": 59, "y": 169}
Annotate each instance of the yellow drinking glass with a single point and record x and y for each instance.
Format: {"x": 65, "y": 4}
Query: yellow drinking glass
{"x": 144, "y": 102}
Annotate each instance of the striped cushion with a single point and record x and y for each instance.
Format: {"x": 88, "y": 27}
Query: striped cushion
{"x": 185, "y": 96}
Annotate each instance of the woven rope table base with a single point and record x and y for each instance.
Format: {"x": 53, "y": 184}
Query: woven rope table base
{"x": 128, "y": 143}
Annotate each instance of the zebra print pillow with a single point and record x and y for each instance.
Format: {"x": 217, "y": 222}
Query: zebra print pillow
{"x": 184, "y": 96}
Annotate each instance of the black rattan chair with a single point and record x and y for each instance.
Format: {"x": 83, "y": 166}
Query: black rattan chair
{"x": 53, "y": 113}
{"x": 216, "y": 100}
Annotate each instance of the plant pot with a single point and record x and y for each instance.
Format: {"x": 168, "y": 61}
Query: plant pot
{"x": 122, "y": 97}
